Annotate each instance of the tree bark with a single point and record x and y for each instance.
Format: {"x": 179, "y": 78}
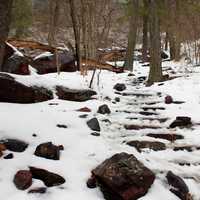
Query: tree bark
{"x": 132, "y": 35}
{"x": 155, "y": 74}
{"x": 54, "y": 7}
{"x": 75, "y": 24}
{"x": 145, "y": 32}
{"x": 5, "y": 18}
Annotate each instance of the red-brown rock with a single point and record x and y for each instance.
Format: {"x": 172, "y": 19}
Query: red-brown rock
{"x": 123, "y": 177}
{"x": 168, "y": 99}
{"x": 84, "y": 109}
{"x": 23, "y": 179}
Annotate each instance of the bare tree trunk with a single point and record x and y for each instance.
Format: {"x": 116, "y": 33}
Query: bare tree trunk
{"x": 73, "y": 12}
{"x": 134, "y": 4}
{"x": 155, "y": 74}
{"x": 145, "y": 32}
{"x": 5, "y": 17}
{"x": 54, "y": 7}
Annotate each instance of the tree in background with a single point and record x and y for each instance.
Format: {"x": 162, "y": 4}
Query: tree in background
{"x": 133, "y": 5}
{"x": 5, "y": 18}
{"x": 21, "y": 17}
{"x": 155, "y": 74}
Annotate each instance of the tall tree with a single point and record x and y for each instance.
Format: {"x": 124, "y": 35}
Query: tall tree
{"x": 5, "y": 18}
{"x": 155, "y": 74}
{"x": 76, "y": 28}
{"x": 145, "y": 31}
{"x": 54, "y": 7}
{"x": 133, "y": 27}
{"x": 21, "y": 17}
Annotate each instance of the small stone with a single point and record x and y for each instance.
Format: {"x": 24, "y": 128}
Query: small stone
{"x": 61, "y": 126}
{"x": 120, "y": 87}
{"x": 48, "y": 150}
{"x": 94, "y": 124}
{"x": 61, "y": 147}
{"x": 168, "y": 99}
{"x": 40, "y": 190}
{"x": 83, "y": 116}
{"x": 104, "y": 109}
{"x": 23, "y": 179}
{"x": 84, "y": 109}
{"x": 91, "y": 183}
{"x": 181, "y": 121}
{"x": 117, "y": 99}
{"x": 95, "y": 134}
{"x": 9, "y": 156}
{"x": 34, "y": 135}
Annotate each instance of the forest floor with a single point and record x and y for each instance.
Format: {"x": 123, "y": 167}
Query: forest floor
{"x": 83, "y": 151}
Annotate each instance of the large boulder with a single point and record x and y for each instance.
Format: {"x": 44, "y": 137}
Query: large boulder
{"x": 48, "y": 150}
{"x": 15, "y": 62}
{"x": 46, "y": 62}
{"x": 23, "y": 179}
{"x": 123, "y": 177}
{"x": 73, "y": 94}
{"x": 50, "y": 179}
{"x": 12, "y": 91}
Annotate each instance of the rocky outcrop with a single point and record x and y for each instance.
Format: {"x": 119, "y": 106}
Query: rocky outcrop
{"x": 122, "y": 177}
{"x": 15, "y": 62}
{"x": 12, "y": 91}
{"x": 46, "y": 63}
{"x": 74, "y": 95}
{"x": 50, "y": 179}
{"x": 23, "y": 179}
{"x": 139, "y": 145}
{"x": 48, "y": 150}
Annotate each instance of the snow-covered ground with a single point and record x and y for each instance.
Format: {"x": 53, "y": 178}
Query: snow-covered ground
{"x": 82, "y": 151}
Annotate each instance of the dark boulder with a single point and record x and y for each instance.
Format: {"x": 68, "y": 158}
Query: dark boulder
{"x": 104, "y": 109}
{"x": 61, "y": 126}
{"x": 180, "y": 188}
{"x": 15, "y": 62}
{"x": 93, "y": 124}
{"x": 46, "y": 63}
{"x": 50, "y": 179}
{"x": 74, "y": 95}
{"x": 139, "y": 145}
{"x": 12, "y": 91}
{"x": 181, "y": 121}
{"x": 48, "y": 150}
{"x": 123, "y": 177}
{"x": 14, "y": 145}
{"x": 120, "y": 87}
{"x": 23, "y": 179}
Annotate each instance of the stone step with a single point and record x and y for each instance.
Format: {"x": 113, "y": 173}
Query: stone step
{"x": 139, "y": 127}
{"x": 169, "y": 137}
